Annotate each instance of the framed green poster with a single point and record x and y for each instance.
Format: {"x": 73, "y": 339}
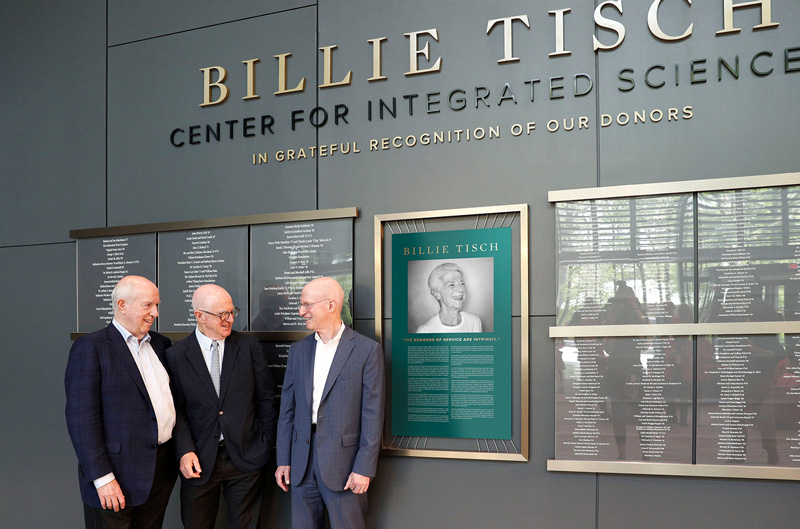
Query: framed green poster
{"x": 453, "y": 334}
{"x": 451, "y": 361}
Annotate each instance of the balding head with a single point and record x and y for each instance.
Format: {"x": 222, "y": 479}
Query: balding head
{"x": 208, "y": 301}
{"x": 128, "y": 288}
{"x": 135, "y": 301}
{"x": 208, "y": 294}
{"x": 327, "y": 287}
{"x": 321, "y": 303}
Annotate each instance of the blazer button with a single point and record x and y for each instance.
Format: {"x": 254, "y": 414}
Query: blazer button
{"x": 155, "y": 445}
{"x": 221, "y": 412}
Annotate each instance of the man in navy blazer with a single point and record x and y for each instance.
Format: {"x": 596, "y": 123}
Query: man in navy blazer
{"x": 120, "y": 414}
{"x": 225, "y": 404}
{"x": 331, "y": 420}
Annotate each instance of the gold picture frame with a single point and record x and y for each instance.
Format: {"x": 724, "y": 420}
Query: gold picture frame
{"x": 515, "y": 216}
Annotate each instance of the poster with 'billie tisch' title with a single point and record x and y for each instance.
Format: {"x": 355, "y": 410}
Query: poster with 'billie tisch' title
{"x": 451, "y": 343}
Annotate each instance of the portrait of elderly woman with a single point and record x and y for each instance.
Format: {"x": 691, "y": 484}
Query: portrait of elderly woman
{"x": 449, "y": 290}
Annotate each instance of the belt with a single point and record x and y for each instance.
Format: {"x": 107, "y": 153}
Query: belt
{"x": 313, "y": 427}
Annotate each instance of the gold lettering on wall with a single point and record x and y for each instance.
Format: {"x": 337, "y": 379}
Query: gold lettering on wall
{"x": 282, "y": 77}
{"x": 559, "y": 14}
{"x": 327, "y": 69}
{"x": 414, "y": 52}
{"x": 611, "y": 25}
{"x": 377, "y": 59}
{"x": 251, "y": 79}
{"x": 208, "y": 85}
{"x": 655, "y": 28}
{"x": 727, "y": 15}
{"x": 508, "y": 22}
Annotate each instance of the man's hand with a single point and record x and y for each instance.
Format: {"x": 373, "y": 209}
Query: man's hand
{"x": 190, "y": 465}
{"x": 357, "y": 483}
{"x": 282, "y": 477}
{"x": 111, "y": 496}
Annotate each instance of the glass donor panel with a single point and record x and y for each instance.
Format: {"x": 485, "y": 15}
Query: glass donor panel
{"x": 748, "y": 390}
{"x": 625, "y": 261}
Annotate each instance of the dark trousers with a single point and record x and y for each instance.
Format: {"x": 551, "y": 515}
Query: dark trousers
{"x": 150, "y": 514}
{"x": 243, "y": 494}
{"x": 310, "y": 498}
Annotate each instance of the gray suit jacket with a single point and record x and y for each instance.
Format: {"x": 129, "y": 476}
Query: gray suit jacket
{"x": 350, "y": 417}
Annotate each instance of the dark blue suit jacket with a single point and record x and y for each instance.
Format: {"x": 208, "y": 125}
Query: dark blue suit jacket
{"x": 109, "y": 415}
{"x": 350, "y": 415}
{"x": 244, "y": 411}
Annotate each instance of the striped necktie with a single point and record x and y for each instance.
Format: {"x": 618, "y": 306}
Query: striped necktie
{"x": 215, "y": 365}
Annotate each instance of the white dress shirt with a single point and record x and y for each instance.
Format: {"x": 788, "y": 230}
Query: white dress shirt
{"x": 323, "y": 358}
{"x": 205, "y": 346}
{"x": 156, "y": 380}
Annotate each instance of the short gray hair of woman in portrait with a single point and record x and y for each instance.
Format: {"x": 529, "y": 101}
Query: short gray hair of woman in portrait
{"x": 447, "y": 286}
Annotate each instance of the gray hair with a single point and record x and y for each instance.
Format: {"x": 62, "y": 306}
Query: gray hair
{"x": 435, "y": 278}
{"x": 124, "y": 289}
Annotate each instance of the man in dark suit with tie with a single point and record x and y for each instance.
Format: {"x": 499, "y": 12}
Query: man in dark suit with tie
{"x": 225, "y": 404}
{"x": 120, "y": 414}
{"x": 331, "y": 420}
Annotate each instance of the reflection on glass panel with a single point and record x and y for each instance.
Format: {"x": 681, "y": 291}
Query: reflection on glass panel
{"x": 631, "y": 248}
{"x": 286, "y": 256}
{"x": 748, "y": 397}
{"x": 786, "y": 389}
{"x": 192, "y": 258}
{"x": 624, "y": 399}
{"x": 748, "y": 250}
{"x": 277, "y": 354}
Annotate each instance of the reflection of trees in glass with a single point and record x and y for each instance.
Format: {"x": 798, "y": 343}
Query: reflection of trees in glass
{"x": 647, "y": 242}
{"x": 748, "y": 250}
{"x": 756, "y": 218}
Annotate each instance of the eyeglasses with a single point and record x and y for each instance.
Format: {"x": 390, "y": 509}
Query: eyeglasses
{"x": 223, "y": 315}
{"x": 307, "y": 306}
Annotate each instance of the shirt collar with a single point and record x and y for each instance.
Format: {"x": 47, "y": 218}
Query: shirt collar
{"x": 205, "y": 341}
{"x": 335, "y": 338}
{"x": 126, "y": 334}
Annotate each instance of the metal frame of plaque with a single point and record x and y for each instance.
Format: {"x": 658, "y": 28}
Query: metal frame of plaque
{"x": 194, "y": 229}
{"x": 476, "y": 224}
{"x": 740, "y": 272}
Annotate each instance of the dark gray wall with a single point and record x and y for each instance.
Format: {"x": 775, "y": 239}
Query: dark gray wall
{"x": 92, "y": 93}
{"x": 52, "y": 162}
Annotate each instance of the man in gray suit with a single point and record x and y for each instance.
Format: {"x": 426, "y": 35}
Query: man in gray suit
{"x": 331, "y": 419}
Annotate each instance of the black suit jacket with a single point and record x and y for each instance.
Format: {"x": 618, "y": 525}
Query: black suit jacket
{"x": 110, "y": 419}
{"x": 244, "y": 411}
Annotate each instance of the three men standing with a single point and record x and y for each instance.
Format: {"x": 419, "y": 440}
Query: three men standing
{"x": 121, "y": 413}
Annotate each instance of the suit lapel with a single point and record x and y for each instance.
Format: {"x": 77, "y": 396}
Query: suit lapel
{"x": 228, "y": 362}
{"x": 308, "y": 368}
{"x": 195, "y": 358}
{"x": 125, "y": 356}
{"x": 346, "y": 344}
